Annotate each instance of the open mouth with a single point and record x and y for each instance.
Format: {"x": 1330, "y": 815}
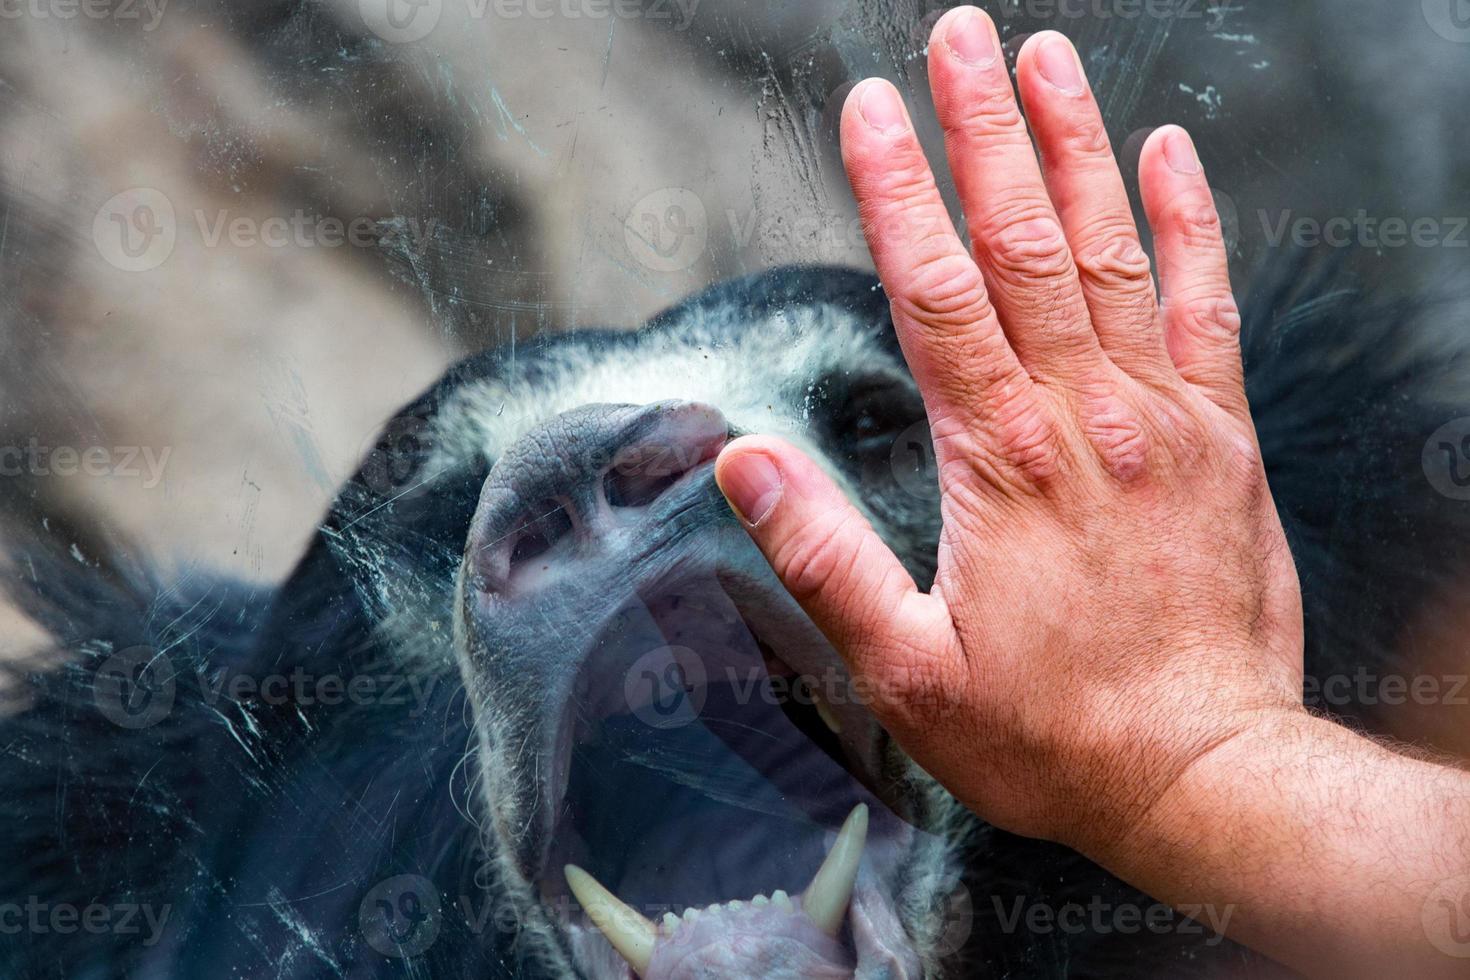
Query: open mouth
{"x": 720, "y": 804}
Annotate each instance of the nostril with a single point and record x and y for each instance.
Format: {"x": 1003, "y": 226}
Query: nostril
{"x": 640, "y": 474}
{"x": 548, "y": 524}
{"x": 636, "y": 489}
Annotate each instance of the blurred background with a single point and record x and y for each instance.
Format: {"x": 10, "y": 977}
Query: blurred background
{"x": 234, "y": 237}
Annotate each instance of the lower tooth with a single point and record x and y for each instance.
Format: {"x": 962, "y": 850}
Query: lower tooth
{"x": 825, "y": 899}
{"x": 630, "y": 934}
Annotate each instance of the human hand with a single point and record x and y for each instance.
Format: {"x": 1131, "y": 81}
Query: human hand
{"x": 1114, "y": 598}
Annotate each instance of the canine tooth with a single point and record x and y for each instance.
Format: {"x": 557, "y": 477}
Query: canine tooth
{"x": 824, "y": 712}
{"x": 760, "y": 901}
{"x": 825, "y": 899}
{"x": 782, "y": 901}
{"x": 631, "y": 934}
{"x": 671, "y": 922}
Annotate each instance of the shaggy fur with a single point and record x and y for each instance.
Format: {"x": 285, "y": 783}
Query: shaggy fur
{"x": 263, "y": 825}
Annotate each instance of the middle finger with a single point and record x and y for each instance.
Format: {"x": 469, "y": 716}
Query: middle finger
{"x": 1014, "y": 231}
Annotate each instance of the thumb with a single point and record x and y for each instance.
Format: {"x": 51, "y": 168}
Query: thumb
{"x": 831, "y": 560}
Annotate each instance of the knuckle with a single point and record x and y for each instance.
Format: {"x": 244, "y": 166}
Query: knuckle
{"x": 1120, "y": 265}
{"x": 1028, "y": 438}
{"x": 1197, "y": 225}
{"x": 1210, "y": 319}
{"x": 900, "y": 202}
{"x": 1087, "y": 137}
{"x": 947, "y": 291}
{"x": 1244, "y": 464}
{"x": 987, "y": 117}
{"x": 1026, "y": 246}
{"x": 1117, "y": 434}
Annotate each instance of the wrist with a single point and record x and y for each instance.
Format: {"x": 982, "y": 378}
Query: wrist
{"x": 1323, "y": 845}
{"x": 1151, "y": 776}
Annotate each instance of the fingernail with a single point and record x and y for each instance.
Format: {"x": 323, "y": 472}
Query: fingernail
{"x": 1058, "y": 64}
{"x": 881, "y": 108}
{"x": 971, "y": 40}
{"x": 752, "y": 484}
{"x": 1179, "y": 151}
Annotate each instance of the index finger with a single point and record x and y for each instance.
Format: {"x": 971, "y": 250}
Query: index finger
{"x": 946, "y": 325}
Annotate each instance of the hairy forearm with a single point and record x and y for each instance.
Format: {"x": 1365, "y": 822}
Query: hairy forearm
{"x": 1329, "y": 851}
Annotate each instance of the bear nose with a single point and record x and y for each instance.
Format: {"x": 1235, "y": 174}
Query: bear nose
{"x": 585, "y": 475}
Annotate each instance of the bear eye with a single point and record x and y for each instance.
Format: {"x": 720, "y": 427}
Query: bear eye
{"x": 869, "y": 415}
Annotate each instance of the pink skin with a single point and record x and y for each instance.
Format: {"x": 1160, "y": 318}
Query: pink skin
{"x": 748, "y": 941}
{"x": 1111, "y": 654}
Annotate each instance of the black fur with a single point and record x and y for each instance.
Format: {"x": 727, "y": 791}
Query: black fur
{"x": 262, "y": 826}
